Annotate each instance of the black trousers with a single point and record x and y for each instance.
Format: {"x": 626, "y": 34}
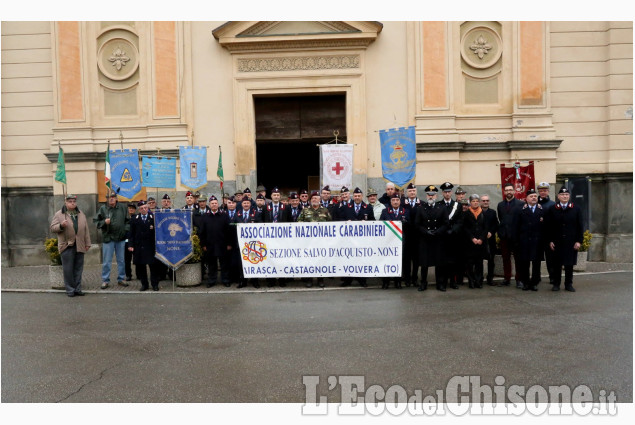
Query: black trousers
{"x": 142, "y": 274}
{"x": 128, "y": 261}
{"x": 475, "y": 271}
{"x": 568, "y": 276}
{"x": 410, "y": 263}
{"x": 534, "y": 279}
{"x": 551, "y": 263}
{"x": 438, "y": 276}
{"x": 490, "y": 259}
{"x": 212, "y": 267}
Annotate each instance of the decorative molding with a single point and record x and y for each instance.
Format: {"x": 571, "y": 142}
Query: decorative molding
{"x": 482, "y": 47}
{"x": 489, "y": 146}
{"x": 118, "y": 59}
{"x": 298, "y": 63}
{"x": 101, "y": 156}
{"x": 28, "y": 191}
{"x": 299, "y": 44}
{"x": 262, "y": 27}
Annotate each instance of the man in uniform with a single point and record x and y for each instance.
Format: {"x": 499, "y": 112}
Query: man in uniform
{"x": 395, "y": 212}
{"x": 197, "y": 196}
{"x": 431, "y": 221}
{"x": 275, "y": 209}
{"x": 304, "y": 199}
{"x": 293, "y": 211}
{"x": 238, "y": 198}
{"x": 565, "y": 234}
{"x": 411, "y": 247}
{"x": 529, "y": 243}
{"x": 247, "y": 194}
{"x": 507, "y": 208}
{"x": 261, "y": 190}
{"x": 357, "y": 211}
{"x": 152, "y": 204}
{"x": 233, "y": 253}
{"x": 314, "y": 213}
{"x": 189, "y": 202}
{"x": 386, "y": 198}
{"x": 377, "y": 207}
{"x": 451, "y": 240}
{"x": 142, "y": 246}
{"x": 246, "y": 215}
{"x": 491, "y": 223}
{"x": 338, "y": 211}
{"x": 214, "y": 242}
{"x": 197, "y": 217}
{"x": 546, "y": 203}
{"x": 166, "y": 202}
{"x": 325, "y": 197}
{"x": 112, "y": 219}
{"x": 261, "y": 208}
{"x": 73, "y": 241}
{"x": 132, "y": 211}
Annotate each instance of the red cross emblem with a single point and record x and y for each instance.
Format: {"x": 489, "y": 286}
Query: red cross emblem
{"x": 337, "y": 168}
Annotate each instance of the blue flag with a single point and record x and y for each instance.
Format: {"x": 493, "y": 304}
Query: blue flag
{"x": 173, "y": 236}
{"x": 159, "y": 172}
{"x": 398, "y": 155}
{"x": 125, "y": 176}
{"x": 193, "y": 166}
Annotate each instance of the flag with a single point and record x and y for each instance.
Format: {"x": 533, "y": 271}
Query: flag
{"x": 60, "y": 174}
{"x": 219, "y": 171}
{"x": 336, "y": 168}
{"x": 107, "y": 169}
{"x": 522, "y": 177}
{"x": 398, "y": 154}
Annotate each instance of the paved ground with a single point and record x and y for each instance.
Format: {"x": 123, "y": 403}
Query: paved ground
{"x": 256, "y": 347}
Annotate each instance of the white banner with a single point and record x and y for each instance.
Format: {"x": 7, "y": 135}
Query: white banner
{"x": 329, "y": 249}
{"x": 336, "y": 166}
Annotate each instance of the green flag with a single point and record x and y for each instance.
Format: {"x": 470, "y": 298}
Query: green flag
{"x": 219, "y": 171}
{"x": 60, "y": 174}
{"x": 107, "y": 168}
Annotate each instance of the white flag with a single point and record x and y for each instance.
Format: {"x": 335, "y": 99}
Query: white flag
{"x": 336, "y": 166}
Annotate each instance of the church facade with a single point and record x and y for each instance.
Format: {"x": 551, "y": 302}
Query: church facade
{"x": 267, "y": 93}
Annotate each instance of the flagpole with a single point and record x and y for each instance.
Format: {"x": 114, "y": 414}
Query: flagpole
{"x": 222, "y": 190}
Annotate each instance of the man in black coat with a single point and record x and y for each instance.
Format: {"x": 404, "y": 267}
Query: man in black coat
{"x": 396, "y": 212}
{"x": 491, "y": 223}
{"x": 452, "y": 241}
{"x": 338, "y": 209}
{"x": 386, "y": 198}
{"x": 275, "y": 209}
{"x": 546, "y": 203}
{"x": 142, "y": 246}
{"x": 214, "y": 242}
{"x": 411, "y": 248}
{"x": 293, "y": 210}
{"x": 357, "y": 210}
{"x": 246, "y": 215}
{"x": 565, "y": 233}
{"x": 506, "y": 210}
{"x": 432, "y": 223}
{"x": 529, "y": 234}
{"x": 233, "y": 254}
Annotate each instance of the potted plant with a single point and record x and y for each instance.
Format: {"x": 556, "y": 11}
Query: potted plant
{"x": 189, "y": 274}
{"x": 583, "y": 252}
{"x": 56, "y": 274}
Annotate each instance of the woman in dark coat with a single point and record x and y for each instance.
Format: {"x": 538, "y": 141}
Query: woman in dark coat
{"x": 475, "y": 235}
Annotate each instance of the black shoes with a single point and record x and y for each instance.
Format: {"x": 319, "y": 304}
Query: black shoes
{"x": 155, "y": 288}
{"x": 227, "y": 284}
{"x": 79, "y": 293}
{"x": 519, "y": 285}
{"x": 454, "y": 286}
{"x": 143, "y": 288}
{"x": 283, "y": 284}
{"x": 256, "y": 285}
{"x": 569, "y": 288}
{"x": 308, "y": 285}
{"x": 555, "y": 288}
{"x": 506, "y": 283}
{"x": 241, "y": 285}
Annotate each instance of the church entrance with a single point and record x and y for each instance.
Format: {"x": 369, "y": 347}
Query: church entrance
{"x": 288, "y": 130}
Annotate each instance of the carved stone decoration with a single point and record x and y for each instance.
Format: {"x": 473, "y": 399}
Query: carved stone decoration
{"x": 118, "y": 59}
{"x": 481, "y": 47}
{"x": 298, "y": 63}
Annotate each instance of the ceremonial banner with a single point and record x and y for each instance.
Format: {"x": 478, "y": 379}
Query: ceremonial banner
{"x": 193, "y": 166}
{"x": 398, "y": 155}
{"x": 336, "y": 168}
{"x": 159, "y": 172}
{"x": 125, "y": 176}
{"x": 521, "y": 177}
{"x": 351, "y": 248}
{"x": 173, "y": 236}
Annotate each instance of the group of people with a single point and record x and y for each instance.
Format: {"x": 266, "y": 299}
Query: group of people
{"x": 452, "y": 235}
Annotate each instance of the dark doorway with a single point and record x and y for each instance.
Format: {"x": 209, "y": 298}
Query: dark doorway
{"x": 288, "y": 130}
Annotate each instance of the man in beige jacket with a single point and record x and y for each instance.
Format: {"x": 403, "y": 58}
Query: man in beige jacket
{"x": 73, "y": 240}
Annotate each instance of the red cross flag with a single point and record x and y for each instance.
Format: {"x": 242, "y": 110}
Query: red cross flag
{"x": 336, "y": 166}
